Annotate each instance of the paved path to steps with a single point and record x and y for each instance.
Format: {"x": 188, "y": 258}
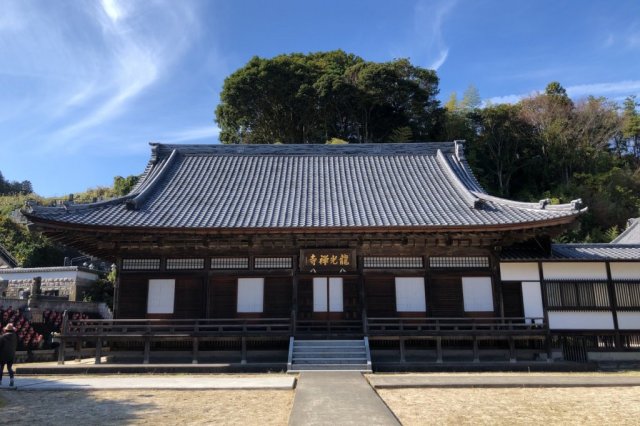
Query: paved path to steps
{"x": 496, "y": 381}
{"x": 338, "y": 398}
{"x": 192, "y": 382}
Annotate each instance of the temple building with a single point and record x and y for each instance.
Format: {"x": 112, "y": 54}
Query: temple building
{"x": 394, "y": 245}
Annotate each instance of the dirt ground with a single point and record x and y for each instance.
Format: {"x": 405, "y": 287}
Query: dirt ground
{"x": 144, "y": 407}
{"x": 549, "y": 406}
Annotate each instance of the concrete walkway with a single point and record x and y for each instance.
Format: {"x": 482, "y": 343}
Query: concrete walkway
{"x": 152, "y": 382}
{"x": 338, "y": 398}
{"x": 496, "y": 381}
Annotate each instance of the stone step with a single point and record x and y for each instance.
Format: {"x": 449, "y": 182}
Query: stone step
{"x": 328, "y": 349}
{"x": 329, "y": 355}
{"x": 321, "y": 360}
{"x": 330, "y": 367}
{"x": 321, "y": 343}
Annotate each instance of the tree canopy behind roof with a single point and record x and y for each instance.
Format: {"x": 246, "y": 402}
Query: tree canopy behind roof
{"x": 298, "y": 98}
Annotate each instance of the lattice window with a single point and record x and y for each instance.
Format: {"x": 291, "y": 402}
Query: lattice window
{"x": 628, "y": 294}
{"x": 185, "y": 264}
{"x": 459, "y": 262}
{"x": 140, "y": 264}
{"x": 405, "y": 262}
{"x": 229, "y": 263}
{"x": 577, "y": 294}
{"x": 273, "y": 263}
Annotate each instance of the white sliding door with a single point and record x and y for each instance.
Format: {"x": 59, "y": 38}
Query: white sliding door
{"x": 327, "y": 295}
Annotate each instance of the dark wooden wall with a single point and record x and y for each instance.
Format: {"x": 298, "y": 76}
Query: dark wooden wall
{"x": 132, "y": 297}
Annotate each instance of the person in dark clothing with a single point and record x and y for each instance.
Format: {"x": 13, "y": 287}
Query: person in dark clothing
{"x": 8, "y": 345}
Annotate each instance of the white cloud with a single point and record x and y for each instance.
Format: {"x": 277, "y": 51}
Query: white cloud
{"x": 86, "y": 64}
{"x": 427, "y": 46}
{"x": 613, "y": 90}
{"x": 192, "y": 134}
{"x": 440, "y": 60}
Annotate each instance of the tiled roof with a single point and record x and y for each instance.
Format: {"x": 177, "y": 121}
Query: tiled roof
{"x": 596, "y": 251}
{"x": 631, "y": 235}
{"x": 575, "y": 252}
{"x": 418, "y": 185}
{"x": 6, "y": 257}
{"x": 50, "y": 269}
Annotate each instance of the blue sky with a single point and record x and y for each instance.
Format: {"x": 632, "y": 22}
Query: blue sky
{"x": 85, "y": 85}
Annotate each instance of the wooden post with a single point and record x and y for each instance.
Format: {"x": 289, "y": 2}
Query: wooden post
{"x": 63, "y": 343}
{"x": 78, "y": 349}
{"x": 294, "y": 301}
{"x": 243, "y": 360}
{"x": 439, "y": 350}
{"x": 512, "y": 350}
{"x": 549, "y": 348}
{"x": 613, "y": 303}
{"x": 147, "y": 350}
{"x": 194, "y": 354}
{"x": 402, "y": 350}
{"x": 98, "y": 350}
{"x": 61, "y": 350}
{"x": 476, "y": 352}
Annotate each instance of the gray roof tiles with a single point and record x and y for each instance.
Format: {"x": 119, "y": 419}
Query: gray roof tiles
{"x": 575, "y": 252}
{"x": 305, "y": 186}
{"x": 631, "y": 235}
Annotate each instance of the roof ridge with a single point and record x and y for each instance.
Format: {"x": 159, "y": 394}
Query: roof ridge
{"x": 135, "y": 202}
{"x": 470, "y": 198}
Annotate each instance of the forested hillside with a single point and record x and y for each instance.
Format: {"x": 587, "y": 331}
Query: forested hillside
{"x": 33, "y": 250}
{"x": 544, "y": 146}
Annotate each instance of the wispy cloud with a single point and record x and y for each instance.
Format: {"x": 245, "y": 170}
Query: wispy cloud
{"x": 427, "y": 46}
{"x": 193, "y": 134}
{"x": 89, "y": 63}
{"x": 611, "y": 89}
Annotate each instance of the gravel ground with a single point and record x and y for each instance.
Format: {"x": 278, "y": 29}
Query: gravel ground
{"x": 549, "y": 406}
{"x": 143, "y": 407}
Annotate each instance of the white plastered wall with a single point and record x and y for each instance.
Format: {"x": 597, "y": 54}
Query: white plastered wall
{"x": 477, "y": 293}
{"x": 519, "y": 271}
{"x": 625, "y": 270}
{"x": 580, "y": 320}
{"x": 250, "y": 295}
{"x": 532, "y": 299}
{"x": 629, "y": 320}
{"x": 410, "y": 295}
{"x": 574, "y": 270}
{"x": 160, "y": 299}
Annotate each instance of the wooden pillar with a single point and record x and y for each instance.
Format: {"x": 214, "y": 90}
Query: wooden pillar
{"x": 512, "y": 350}
{"x": 363, "y": 296}
{"x": 402, "y": 350}
{"x": 548, "y": 342}
{"x": 194, "y": 352}
{"x": 147, "y": 350}
{"x": 78, "y": 349}
{"x": 294, "y": 300}
{"x": 613, "y": 302}
{"x": 243, "y": 360}
{"x": 61, "y": 351}
{"x": 476, "y": 352}
{"x": 439, "y": 350}
{"x": 98, "y": 350}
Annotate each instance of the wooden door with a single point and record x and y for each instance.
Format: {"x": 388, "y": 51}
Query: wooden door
{"x": 445, "y": 297}
{"x": 512, "y": 303}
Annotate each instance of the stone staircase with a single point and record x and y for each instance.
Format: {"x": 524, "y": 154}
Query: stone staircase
{"x": 329, "y": 355}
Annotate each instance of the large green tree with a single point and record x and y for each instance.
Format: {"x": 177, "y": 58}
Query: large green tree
{"x": 313, "y": 98}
